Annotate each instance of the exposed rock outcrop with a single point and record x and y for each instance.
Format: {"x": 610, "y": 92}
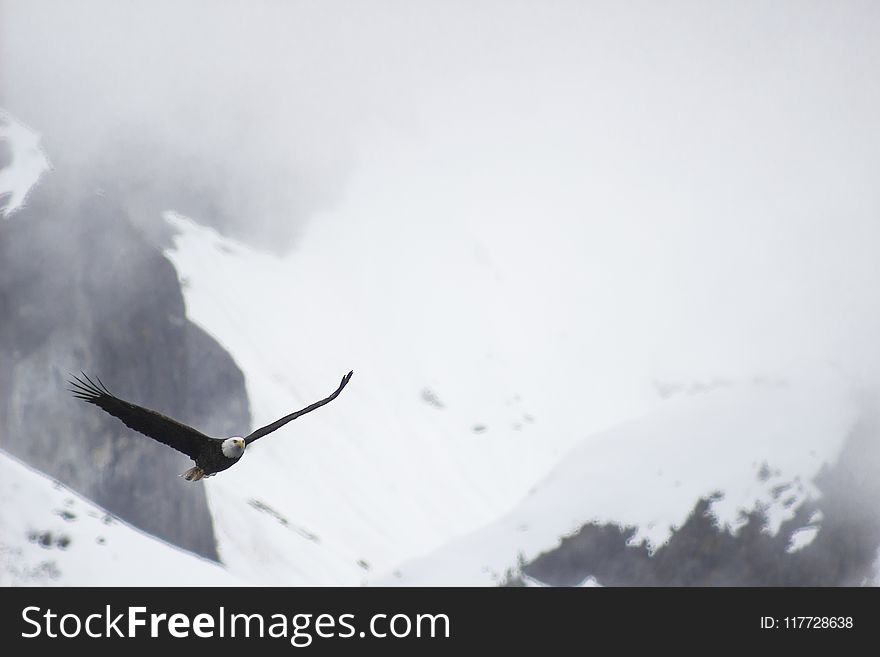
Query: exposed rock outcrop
{"x": 82, "y": 289}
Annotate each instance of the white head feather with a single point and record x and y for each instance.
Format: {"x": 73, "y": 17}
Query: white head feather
{"x": 233, "y": 447}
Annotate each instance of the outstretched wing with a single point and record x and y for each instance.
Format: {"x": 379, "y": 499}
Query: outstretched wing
{"x": 269, "y": 428}
{"x": 150, "y": 423}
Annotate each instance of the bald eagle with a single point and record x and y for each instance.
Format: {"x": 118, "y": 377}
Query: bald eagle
{"x": 211, "y": 455}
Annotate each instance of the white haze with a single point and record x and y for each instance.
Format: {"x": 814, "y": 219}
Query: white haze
{"x": 664, "y": 191}
{"x": 704, "y": 173}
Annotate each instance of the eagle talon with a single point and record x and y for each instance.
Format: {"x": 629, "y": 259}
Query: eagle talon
{"x": 193, "y": 474}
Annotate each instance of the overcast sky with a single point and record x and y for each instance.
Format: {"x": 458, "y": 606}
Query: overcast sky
{"x": 702, "y": 169}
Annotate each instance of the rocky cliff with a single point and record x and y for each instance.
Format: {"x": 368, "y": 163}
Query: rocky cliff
{"x": 82, "y": 289}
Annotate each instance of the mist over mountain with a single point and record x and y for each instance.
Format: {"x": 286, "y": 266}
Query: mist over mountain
{"x": 573, "y": 251}
{"x": 83, "y": 290}
{"x": 830, "y": 540}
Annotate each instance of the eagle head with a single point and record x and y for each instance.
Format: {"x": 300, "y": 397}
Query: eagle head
{"x": 233, "y": 447}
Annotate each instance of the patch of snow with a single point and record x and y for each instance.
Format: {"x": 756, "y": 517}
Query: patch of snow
{"x": 590, "y": 582}
{"x": 29, "y": 163}
{"x": 802, "y": 537}
{"x": 51, "y": 536}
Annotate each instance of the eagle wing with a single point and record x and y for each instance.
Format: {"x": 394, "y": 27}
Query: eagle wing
{"x": 277, "y": 424}
{"x": 150, "y": 423}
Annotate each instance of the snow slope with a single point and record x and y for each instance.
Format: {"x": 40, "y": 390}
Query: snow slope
{"x": 451, "y": 418}
{"x": 476, "y": 372}
{"x": 745, "y": 441}
{"x": 49, "y": 535}
{"x": 435, "y": 436}
{"x": 493, "y": 322}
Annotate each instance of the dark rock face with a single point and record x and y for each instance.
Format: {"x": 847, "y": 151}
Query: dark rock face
{"x": 82, "y": 289}
{"x": 700, "y": 553}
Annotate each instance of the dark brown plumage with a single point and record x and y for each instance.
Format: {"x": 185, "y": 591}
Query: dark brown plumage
{"x": 211, "y": 455}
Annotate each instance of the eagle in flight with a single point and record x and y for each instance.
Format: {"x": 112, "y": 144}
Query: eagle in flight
{"x": 211, "y": 455}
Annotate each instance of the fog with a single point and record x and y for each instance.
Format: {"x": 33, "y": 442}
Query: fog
{"x": 695, "y": 156}
{"x": 701, "y": 169}
{"x": 687, "y": 190}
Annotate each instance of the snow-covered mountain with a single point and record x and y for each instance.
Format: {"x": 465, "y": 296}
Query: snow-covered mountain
{"x": 754, "y": 444}
{"x": 449, "y": 424}
{"x": 408, "y": 456}
{"x": 534, "y": 347}
{"x": 51, "y": 536}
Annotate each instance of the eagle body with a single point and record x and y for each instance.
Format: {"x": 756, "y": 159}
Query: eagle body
{"x": 211, "y": 455}
{"x": 215, "y": 456}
